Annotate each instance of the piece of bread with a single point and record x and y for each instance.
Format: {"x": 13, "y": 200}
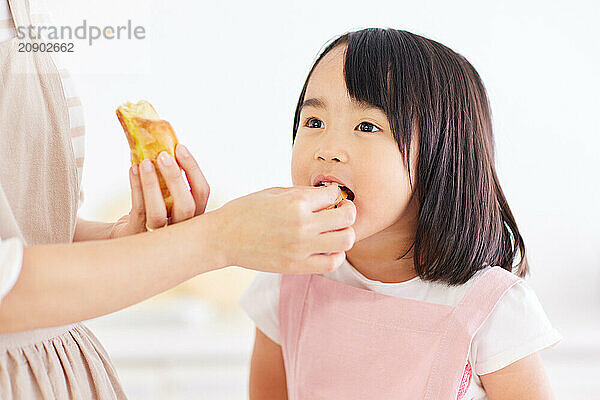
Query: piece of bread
{"x": 148, "y": 135}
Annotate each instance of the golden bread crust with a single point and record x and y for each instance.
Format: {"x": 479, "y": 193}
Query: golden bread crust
{"x": 148, "y": 136}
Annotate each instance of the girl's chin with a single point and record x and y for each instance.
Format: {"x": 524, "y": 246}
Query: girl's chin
{"x": 364, "y": 230}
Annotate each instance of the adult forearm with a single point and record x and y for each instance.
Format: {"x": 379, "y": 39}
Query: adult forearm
{"x": 64, "y": 283}
{"x": 91, "y": 230}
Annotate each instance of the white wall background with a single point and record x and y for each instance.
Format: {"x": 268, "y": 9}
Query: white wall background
{"x": 227, "y": 75}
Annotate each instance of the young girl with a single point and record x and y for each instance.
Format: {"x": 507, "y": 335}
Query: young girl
{"x": 426, "y": 305}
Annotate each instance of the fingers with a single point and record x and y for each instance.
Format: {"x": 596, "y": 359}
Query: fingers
{"x": 187, "y": 203}
{"x": 338, "y": 218}
{"x": 333, "y": 242}
{"x": 137, "y": 215}
{"x": 322, "y": 197}
{"x": 156, "y": 211}
{"x": 184, "y": 206}
{"x": 198, "y": 184}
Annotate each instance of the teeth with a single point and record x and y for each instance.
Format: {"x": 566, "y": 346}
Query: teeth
{"x": 329, "y": 183}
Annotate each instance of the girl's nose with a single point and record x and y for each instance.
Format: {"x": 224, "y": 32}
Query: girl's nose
{"x": 331, "y": 155}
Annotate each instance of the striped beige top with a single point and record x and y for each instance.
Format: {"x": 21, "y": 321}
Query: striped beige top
{"x": 40, "y": 16}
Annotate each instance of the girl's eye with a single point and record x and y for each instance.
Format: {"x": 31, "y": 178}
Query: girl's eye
{"x": 367, "y": 127}
{"x": 314, "y": 123}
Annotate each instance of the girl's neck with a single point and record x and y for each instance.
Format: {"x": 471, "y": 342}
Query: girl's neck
{"x": 376, "y": 257}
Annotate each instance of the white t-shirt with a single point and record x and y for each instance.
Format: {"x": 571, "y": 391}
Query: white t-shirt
{"x": 517, "y": 327}
{"x": 11, "y": 256}
{"x": 11, "y": 249}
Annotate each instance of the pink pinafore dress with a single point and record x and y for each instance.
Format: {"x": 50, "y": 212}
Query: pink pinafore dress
{"x": 342, "y": 342}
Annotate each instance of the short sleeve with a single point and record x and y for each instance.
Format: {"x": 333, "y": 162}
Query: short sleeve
{"x": 516, "y": 328}
{"x": 261, "y": 302}
{"x": 11, "y": 258}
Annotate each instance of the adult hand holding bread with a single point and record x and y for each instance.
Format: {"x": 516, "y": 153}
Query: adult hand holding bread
{"x": 159, "y": 193}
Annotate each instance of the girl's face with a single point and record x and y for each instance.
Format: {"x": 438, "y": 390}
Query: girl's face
{"x": 353, "y": 144}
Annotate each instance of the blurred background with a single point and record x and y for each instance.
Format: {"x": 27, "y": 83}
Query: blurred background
{"x": 227, "y": 75}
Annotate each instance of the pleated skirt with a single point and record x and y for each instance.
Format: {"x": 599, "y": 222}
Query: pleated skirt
{"x": 67, "y": 362}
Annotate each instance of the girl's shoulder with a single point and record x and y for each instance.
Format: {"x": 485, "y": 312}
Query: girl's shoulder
{"x": 261, "y": 303}
{"x": 517, "y": 327}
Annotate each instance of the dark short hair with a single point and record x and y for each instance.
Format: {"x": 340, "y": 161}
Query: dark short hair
{"x": 464, "y": 221}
